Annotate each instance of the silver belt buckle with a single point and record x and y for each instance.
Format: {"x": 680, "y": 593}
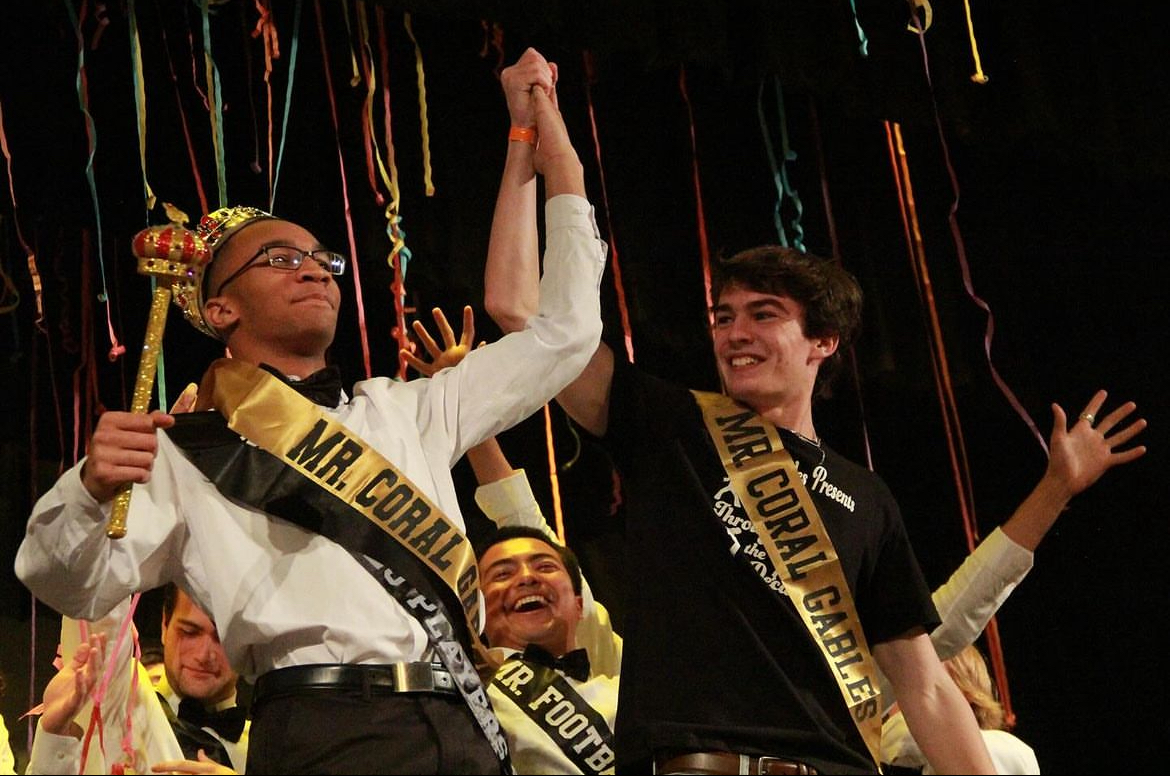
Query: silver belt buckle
{"x": 414, "y": 677}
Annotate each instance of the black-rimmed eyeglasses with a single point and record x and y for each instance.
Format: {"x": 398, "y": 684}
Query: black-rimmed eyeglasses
{"x": 286, "y": 257}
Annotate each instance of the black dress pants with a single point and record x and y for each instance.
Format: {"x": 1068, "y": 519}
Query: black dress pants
{"x": 345, "y": 732}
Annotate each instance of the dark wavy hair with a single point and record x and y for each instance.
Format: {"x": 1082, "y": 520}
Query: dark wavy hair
{"x": 829, "y": 293}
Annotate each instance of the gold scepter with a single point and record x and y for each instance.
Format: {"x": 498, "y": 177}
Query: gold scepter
{"x": 171, "y": 252}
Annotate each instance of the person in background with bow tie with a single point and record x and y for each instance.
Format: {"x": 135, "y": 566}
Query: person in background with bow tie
{"x": 324, "y": 540}
{"x": 556, "y": 690}
{"x": 199, "y": 686}
{"x": 557, "y": 711}
{"x": 188, "y": 723}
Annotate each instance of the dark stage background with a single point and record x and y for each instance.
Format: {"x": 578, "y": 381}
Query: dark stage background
{"x": 1063, "y": 177}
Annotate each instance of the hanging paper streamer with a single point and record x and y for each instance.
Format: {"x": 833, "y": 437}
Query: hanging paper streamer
{"x": 863, "y": 42}
{"x": 357, "y": 281}
{"x": 961, "y": 252}
{"x": 116, "y": 348}
{"x": 951, "y": 422}
{"x": 399, "y": 257}
{"x": 552, "y": 475}
{"x": 493, "y": 39}
{"x": 102, "y": 20}
{"x": 916, "y": 24}
{"x": 374, "y": 165}
{"x": 613, "y": 251}
{"x": 85, "y": 381}
{"x": 939, "y": 363}
{"x": 265, "y": 29}
{"x": 30, "y": 257}
{"x": 184, "y": 124}
{"x": 978, "y": 76}
{"x": 354, "y": 78}
{"x": 139, "y": 99}
{"x": 288, "y": 91}
{"x": 148, "y": 194}
{"x": 780, "y": 170}
{"x": 831, "y": 225}
{"x": 422, "y": 107}
{"x": 9, "y": 293}
{"x": 704, "y": 247}
{"x": 215, "y": 106}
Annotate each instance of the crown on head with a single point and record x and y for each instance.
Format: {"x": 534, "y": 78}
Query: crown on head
{"x": 215, "y": 229}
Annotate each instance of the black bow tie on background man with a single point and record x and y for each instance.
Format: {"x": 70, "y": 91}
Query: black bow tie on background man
{"x": 228, "y": 723}
{"x": 574, "y": 664}
{"x": 322, "y": 387}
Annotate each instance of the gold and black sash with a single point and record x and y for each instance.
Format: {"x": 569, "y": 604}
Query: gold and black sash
{"x": 768, "y": 485}
{"x": 271, "y": 448}
{"x": 553, "y": 704}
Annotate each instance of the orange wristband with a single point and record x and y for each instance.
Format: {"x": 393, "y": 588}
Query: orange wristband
{"x": 523, "y": 134}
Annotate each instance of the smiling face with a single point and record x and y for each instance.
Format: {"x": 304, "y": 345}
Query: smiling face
{"x": 764, "y": 358}
{"x": 529, "y": 596}
{"x": 195, "y": 662}
{"x": 283, "y": 317}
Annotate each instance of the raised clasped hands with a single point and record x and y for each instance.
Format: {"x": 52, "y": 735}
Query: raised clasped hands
{"x": 531, "y": 71}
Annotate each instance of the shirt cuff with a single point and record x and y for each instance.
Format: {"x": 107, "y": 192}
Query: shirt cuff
{"x": 509, "y": 501}
{"x": 999, "y": 551}
{"x": 569, "y": 211}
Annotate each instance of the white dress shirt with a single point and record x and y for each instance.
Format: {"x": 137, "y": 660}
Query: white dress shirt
{"x": 281, "y": 595}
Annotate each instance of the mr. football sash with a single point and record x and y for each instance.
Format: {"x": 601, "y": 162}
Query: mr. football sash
{"x": 296, "y": 462}
{"x": 767, "y": 483}
{"x": 552, "y": 703}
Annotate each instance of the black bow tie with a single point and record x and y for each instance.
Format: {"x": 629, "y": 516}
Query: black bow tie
{"x": 322, "y": 387}
{"x": 574, "y": 664}
{"x": 228, "y": 723}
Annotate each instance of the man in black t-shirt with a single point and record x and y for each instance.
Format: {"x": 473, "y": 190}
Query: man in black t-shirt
{"x": 733, "y": 663}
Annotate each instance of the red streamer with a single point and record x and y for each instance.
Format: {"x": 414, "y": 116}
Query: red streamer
{"x": 357, "y": 285}
{"x": 613, "y": 251}
{"x": 704, "y": 246}
{"x": 952, "y": 426}
{"x": 831, "y": 225}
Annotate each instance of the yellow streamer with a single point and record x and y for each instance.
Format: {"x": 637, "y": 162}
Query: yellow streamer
{"x": 978, "y": 76}
{"x": 554, "y": 482}
{"x": 355, "y": 77}
{"x": 422, "y": 108}
{"x": 927, "y": 16}
{"x": 140, "y": 105}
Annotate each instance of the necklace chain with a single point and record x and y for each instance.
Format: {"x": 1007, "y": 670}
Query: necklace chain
{"x": 814, "y": 442}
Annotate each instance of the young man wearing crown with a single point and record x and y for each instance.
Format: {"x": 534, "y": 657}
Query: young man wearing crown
{"x": 324, "y": 539}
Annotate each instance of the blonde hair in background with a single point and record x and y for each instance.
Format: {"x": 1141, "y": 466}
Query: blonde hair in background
{"x": 969, "y": 670}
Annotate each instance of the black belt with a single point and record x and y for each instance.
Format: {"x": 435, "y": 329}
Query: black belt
{"x": 368, "y": 679}
{"x": 726, "y": 762}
